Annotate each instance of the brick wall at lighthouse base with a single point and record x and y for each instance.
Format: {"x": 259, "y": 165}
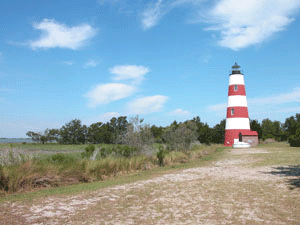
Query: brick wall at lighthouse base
{"x": 248, "y": 136}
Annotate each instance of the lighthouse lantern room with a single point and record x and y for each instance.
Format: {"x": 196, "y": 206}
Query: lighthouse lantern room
{"x": 237, "y": 128}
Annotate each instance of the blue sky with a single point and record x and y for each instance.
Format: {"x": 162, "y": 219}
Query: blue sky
{"x": 164, "y": 60}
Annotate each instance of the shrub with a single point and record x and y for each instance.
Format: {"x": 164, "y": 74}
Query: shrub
{"x": 174, "y": 157}
{"x": 89, "y": 151}
{"x": 62, "y": 158}
{"x": 126, "y": 151}
{"x": 161, "y": 155}
{"x": 294, "y": 140}
{"x": 105, "y": 151}
{"x": 119, "y": 151}
{"x": 3, "y": 180}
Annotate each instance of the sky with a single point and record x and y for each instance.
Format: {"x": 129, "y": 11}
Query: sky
{"x": 163, "y": 60}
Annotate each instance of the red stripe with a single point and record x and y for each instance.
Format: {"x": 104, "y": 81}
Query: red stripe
{"x": 236, "y": 90}
{"x": 238, "y": 112}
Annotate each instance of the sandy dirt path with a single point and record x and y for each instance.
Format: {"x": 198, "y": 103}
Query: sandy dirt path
{"x": 229, "y": 191}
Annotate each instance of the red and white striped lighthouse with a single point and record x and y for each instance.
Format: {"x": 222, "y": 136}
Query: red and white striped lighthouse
{"x": 237, "y": 119}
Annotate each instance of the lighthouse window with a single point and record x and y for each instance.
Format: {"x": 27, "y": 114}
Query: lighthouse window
{"x": 235, "y": 87}
{"x": 232, "y": 111}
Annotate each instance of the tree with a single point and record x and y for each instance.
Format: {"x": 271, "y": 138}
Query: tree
{"x": 122, "y": 124}
{"x": 255, "y": 126}
{"x": 218, "y": 132}
{"x": 137, "y": 135}
{"x": 118, "y": 126}
{"x": 100, "y": 133}
{"x": 52, "y": 134}
{"x": 205, "y": 134}
{"x": 175, "y": 124}
{"x": 157, "y": 133}
{"x": 95, "y": 133}
{"x": 292, "y": 130}
{"x": 34, "y": 136}
{"x": 73, "y": 132}
{"x": 266, "y": 126}
{"x": 290, "y": 126}
{"x": 38, "y": 137}
{"x": 180, "y": 136}
{"x": 278, "y": 131}
{"x": 272, "y": 130}
{"x": 294, "y": 140}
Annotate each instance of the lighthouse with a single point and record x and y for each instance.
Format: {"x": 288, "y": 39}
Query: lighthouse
{"x": 237, "y": 130}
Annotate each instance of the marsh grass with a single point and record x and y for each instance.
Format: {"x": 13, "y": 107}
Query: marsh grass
{"x": 28, "y": 172}
{"x": 149, "y": 170}
{"x": 10, "y": 156}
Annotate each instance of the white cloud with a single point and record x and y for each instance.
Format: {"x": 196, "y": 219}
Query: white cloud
{"x": 2, "y": 100}
{"x": 105, "y": 93}
{"x": 56, "y": 35}
{"x": 129, "y": 72}
{"x": 107, "y": 116}
{"x": 112, "y": 2}
{"x": 153, "y": 14}
{"x": 156, "y": 11}
{"x": 147, "y": 105}
{"x": 280, "y": 111}
{"x": 68, "y": 63}
{"x": 91, "y": 63}
{"x": 283, "y": 98}
{"x": 122, "y": 6}
{"x": 102, "y": 118}
{"x": 180, "y": 112}
{"x": 293, "y": 96}
{"x": 206, "y": 58}
{"x": 7, "y": 90}
{"x": 217, "y": 107}
{"x": 243, "y": 23}
{"x": 240, "y": 23}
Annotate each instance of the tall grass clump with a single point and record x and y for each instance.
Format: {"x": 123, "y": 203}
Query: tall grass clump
{"x": 63, "y": 169}
{"x": 161, "y": 155}
{"x": 10, "y": 156}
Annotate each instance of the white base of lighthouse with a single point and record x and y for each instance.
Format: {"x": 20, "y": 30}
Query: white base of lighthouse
{"x": 241, "y": 145}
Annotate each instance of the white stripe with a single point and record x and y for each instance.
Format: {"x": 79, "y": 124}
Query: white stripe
{"x": 237, "y": 100}
{"x": 236, "y": 79}
{"x": 237, "y": 123}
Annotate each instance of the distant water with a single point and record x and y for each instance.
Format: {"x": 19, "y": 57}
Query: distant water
{"x": 15, "y": 140}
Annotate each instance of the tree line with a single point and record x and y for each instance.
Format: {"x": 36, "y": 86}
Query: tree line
{"x": 287, "y": 131}
{"x": 135, "y": 132}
